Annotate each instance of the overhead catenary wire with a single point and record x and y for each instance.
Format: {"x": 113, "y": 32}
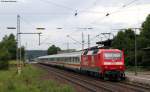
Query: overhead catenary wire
{"x": 28, "y": 23}
{"x": 74, "y": 39}
{"x": 60, "y": 28}
{"x": 107, "y": 14}
{"x": 57, "y": 4}
{"x": 86, "y": 9}
{"x": 124, "y": 6}
{"x": 69, "y": 8}
{"x": 94, "y": 37}
{"x": 74, "y": 10}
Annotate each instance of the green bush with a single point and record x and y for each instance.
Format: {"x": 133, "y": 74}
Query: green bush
{"x": 30, "y": 80}
{"x": 4, "y": 57}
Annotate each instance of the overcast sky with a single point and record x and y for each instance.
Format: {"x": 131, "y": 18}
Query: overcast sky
{"x": 52, "y": 14}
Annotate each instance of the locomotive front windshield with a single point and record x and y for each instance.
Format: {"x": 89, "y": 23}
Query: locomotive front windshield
{"x": 112, "y": 55}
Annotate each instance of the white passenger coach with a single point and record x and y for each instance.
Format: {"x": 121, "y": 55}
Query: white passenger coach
{"x": 68, "y": 60}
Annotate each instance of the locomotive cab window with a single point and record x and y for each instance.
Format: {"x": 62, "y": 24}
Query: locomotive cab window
{"x": 95, "y": 51}
{"x": 85, "y": 52}
{"x": 112, "y": 55}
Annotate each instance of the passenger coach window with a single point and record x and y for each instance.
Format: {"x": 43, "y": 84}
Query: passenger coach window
{"x": 66, "y": 59}
{"x": 69, "y": 59}
{"x": 77, "y": 59}
{"x": 73, "y": 59}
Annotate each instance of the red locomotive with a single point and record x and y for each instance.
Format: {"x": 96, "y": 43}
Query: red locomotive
{"x": 106, "y": 63}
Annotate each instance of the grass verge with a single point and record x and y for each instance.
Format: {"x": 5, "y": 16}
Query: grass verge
{"x": 29, "y": 81}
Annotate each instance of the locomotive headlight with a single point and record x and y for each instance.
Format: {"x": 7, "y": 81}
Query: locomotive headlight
{"x": 120, "y": 67}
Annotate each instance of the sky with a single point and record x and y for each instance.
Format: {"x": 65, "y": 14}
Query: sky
{"x": 54, "y": 14}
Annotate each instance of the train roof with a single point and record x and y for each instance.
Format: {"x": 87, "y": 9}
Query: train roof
{"x": 73, "y": 54}
{"x": 77, "y": 54}
{"x": 110, "y": 50}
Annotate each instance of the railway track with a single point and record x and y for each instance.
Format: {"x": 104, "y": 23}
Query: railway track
{"x": 95, "y": 85}
{"x": 91, "y": 87}
{"x": 137, "y": 85}
{"x": 133, "y": 87}
{"x": 119, "y": 86}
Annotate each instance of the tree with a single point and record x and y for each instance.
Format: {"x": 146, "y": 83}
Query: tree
{"x": 125, "y": 41}
{"x": 9, "y": 43}
{"x": 4, "y": 57}
{"x": 145, "y": 32}
{"x": 7, "y": 50}
{"x": 144, "y": 42}
{"x": 53, "y": 50}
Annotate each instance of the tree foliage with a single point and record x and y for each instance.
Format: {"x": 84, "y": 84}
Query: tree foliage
{"x": 145, "y": 41}
{"x": 145, "y": 31}
{"x": 8, "y": 48}
{"x": 9, "y": 42}
{"x": 125, "y": 40}
{"x": 53, "y": 50}
{"x": 4, "y": 57}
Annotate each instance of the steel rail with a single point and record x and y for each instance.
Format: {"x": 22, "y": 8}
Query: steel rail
{"x": 95, "y": 83}
{"x": 82, "y": 82}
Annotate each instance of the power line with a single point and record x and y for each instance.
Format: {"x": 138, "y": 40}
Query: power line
{"x": 69, "y": 8}
{"x": 88, "y": 7}
{"x": 74, "y": 39}
{"x": 84, "y": 10}
{"x": 56, "y": 4}
{"x": 129, "y": 3}
{"x": 27, "y": 22}
{"x": 117, "y": 11}
{"x": 44, "y": 40}
{"x": 124, "y": 6}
